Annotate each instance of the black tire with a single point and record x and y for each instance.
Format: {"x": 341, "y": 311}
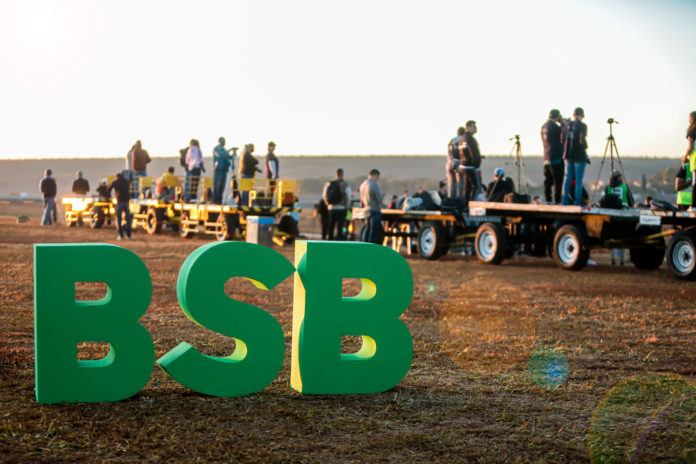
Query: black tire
{"x": 153, "y": 224}
{"x": 222, "y": 231}
{"x": 432, "y": 240}
{"x": 570, "y": 248}
{"x": 97, "y": 218}
{"x": 648, "y": 258}
{"x": 681, "y": 255}
{"x": 184, "y": 231}
{"x": 491, "y": 243}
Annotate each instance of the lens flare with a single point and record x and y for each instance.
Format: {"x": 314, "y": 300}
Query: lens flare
{"x": 548, "y": 367}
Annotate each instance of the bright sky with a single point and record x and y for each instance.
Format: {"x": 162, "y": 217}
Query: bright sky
{"x": 88, "y": 78}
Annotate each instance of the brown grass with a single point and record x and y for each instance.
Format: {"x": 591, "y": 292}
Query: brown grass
{"x": 469, "y": 396}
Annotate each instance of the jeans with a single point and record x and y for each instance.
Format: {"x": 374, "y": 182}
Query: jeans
{"x": 470, "y": 184}
{"x": 455, "y": 179}
{"x": 191, "y": 183}
{"x": 123, "y": 208}
{"x": 337, "y": 219}
{"x": 374, "y": 226}
{"x": 553, "y": 180}
{"x": 219, "y": 185}
{"x": 574, "y": 171}
{"x": 49, "y": 210}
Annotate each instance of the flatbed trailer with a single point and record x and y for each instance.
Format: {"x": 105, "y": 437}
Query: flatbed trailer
{"x": 570, "y": 232}
{"x": 264, "y": 197}
{"x": 431, "y": 232}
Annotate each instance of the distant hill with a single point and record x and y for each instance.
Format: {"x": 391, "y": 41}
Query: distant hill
{"x": 406, "y": 171}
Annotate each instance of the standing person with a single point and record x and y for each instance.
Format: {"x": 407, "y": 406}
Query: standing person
{"x": 48, "y": 188}
{"x": 248, "y": 169}
{"x": 690, "y": 156}
{"x": 80, "y": 185}
{"x": 575, "y": 156}
{"x": 683, "y": 185}
{"x": 140, "y": 159}
{"x": 471, "y": 162}
{"x": 321, "y": 210}
{"x": 121, "y": 187}
{"x": 222, "y": 162}
{"x": 337, "y": 196}
{"x": 371, "y": 197}
{"x": 194, "y": 166}
{"x": 454, "y": 175}
{"x": 551, "y": 135}
{"x": 272, "y": 166}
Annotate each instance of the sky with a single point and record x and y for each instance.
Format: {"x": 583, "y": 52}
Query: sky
{"x": 89, "y": 77}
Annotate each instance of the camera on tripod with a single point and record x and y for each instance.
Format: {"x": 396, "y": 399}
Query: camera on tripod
{"x": 612, "y": 121}
{"x": 516, "y": 137}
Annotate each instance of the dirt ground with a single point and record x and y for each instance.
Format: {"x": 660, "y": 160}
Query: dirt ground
{"x": 519, "y": 363}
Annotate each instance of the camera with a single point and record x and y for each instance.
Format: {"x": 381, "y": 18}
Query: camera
{"x": 611, "y": 121}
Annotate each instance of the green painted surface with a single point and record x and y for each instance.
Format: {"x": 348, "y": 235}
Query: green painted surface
{"x": 259, "y": 339}
{"x": 61, "y": 323}
{"x": 321, "y": 316}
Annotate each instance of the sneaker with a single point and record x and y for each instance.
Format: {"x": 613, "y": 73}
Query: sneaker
{"x": 118, "y": 237}
{"x": 128, "y": 237}
{"x": 591, "y": 262}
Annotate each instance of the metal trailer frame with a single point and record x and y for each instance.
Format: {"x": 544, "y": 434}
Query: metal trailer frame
{"x": 431, "y": 233}
{"x": 570, "y": 232}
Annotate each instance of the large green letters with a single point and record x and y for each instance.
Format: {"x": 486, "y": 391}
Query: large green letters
{"x": 60, "y": 323}
{"x": 260, "y": 343}
{"x": 321, "y": 316}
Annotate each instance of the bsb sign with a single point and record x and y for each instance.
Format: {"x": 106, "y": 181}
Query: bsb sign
{"x": 321, "y": 316}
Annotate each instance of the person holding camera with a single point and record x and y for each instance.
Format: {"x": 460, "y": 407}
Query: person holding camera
{"x": 575, "y": 156}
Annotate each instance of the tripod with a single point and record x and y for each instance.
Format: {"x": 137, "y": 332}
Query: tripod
{"x": 612, "y": 149}
{"x": 519, "y": 162}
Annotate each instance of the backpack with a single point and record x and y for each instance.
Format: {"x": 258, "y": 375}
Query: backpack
{"x": 611, "y": 200}
{"x": 334, "y": 193}
{"x": 514, "y": 197}
{"x": 182, "y": 157}
{"x": 452, "y": 150}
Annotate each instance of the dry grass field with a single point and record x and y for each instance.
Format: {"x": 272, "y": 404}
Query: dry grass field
{"x": 514, "y": 363}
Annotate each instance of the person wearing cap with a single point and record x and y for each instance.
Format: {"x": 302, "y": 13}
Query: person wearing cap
{"x": 48, "y": 189}
{"x": 618, "y": 187}
{"x": 500, "y": 186}
{"x": 551, "y": 134}
{"x": 103, "y": 190}
{"x": 80, "y": 185}
{"x": 222, "y": 162}
{"x": 575, "y": 156}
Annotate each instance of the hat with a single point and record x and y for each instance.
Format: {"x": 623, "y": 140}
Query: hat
{"x": 499, "y": 172}
{"x": 616, "y": 174}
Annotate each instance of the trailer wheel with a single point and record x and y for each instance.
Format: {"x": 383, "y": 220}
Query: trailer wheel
{"x": 681, "y": 255}
{"x": 184, "y": 231}
{"x": 432, "y": 240}
{"x": 69, "y": 221}
{"x": 491, "y": 243}
{"x": 222, "y": 231}
{"x": 154, "y": 221}
{"x": 647, "y": 258}
{"x": 569, "y": 248}
{"x": 96, "y": 220}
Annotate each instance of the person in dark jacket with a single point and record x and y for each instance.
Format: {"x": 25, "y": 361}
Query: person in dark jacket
{"x": 554, "y": 169}
{"x": 121, "y": 188}
{"x": 80, "y": 186}
{"x": 471, "y": 162}
{"x": 575, "y": 156}
{"x": 103, "y": 190}
{"x": 48, "y": 189}
{"x": 500, "y": 186}
{"x": 248, "y": 169}
{"x": 222, "y": 162}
